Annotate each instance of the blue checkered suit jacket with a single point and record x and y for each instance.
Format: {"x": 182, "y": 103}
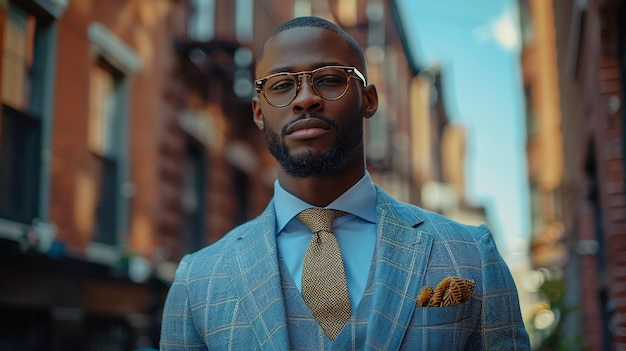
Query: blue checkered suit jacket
{"x": 228, "y": 296}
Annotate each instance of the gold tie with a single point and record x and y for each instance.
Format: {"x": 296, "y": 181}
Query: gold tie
{"x": 324, "y": 286}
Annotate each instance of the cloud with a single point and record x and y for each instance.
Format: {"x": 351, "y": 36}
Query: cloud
{"x": 503, "y": 30}
{"x": 506, "y": 32}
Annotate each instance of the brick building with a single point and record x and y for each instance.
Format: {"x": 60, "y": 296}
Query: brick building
{"x": 126, "y": 141}
{"x": 545, "y": 159}
{"x": 582, "y": 253}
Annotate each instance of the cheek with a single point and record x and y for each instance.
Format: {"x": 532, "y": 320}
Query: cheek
{"x": 352, "y": 119}
{"x": 270, "y": 125}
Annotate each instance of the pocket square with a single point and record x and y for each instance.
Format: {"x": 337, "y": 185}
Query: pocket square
{"x": 450, "y": 291}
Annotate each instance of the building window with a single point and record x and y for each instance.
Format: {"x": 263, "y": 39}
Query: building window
{"x": 242, "y": 191}
{"x": 577, "y": 28}
{"x": 104, "y": 95}
{"x": 17, "y": 59}
{"x": 377, "y": 139}
{"x": 244, "y": 20}
{"x": 102, "y": 110}
{"x": 526, "y": 23}
{"x": 202, "y": 20}
{"x": 376, "y": 33}
{"x": 193, "y": 196}
{"x": 530, "y": 117}
{"x": 301, "y": 8}
{"x": 20, "y": 128}
{"x": 107, "y": 139}
{"x": 347, "y": 12}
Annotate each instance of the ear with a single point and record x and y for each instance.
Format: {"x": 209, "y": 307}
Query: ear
{"x": 257, "y": 115}
{"x": 370, "y": 101}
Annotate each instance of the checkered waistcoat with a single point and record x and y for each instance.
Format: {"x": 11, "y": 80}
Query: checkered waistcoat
{"x": 305, "y": 332}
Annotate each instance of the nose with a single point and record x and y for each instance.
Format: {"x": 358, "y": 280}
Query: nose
{"x": 306, "y": 98}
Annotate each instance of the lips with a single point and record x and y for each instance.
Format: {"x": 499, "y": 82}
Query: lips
{"x": 307, "y": 128}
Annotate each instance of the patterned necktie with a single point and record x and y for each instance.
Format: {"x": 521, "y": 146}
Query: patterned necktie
{"x": 324, "y": 286}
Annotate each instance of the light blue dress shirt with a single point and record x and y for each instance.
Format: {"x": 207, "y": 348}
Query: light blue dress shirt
{"x": 355, "y": 232}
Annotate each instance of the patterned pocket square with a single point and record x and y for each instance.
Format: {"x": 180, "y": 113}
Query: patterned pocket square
{"x": 451, "y": 291}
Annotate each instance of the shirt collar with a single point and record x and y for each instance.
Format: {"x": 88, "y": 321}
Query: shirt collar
{"x": 359, "y": 200}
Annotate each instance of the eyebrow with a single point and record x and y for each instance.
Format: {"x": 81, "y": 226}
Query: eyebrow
{"x": 290, "y": 69}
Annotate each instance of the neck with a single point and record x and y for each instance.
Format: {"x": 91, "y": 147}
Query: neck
{"x": 320, "y": 191}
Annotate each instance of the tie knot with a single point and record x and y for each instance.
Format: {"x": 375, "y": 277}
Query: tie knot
{"x": 318, "y": 219}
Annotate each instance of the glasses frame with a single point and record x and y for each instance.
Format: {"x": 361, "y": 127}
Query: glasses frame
{"x": 350, "y": 72}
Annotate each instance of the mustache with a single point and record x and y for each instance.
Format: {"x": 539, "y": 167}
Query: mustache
{"x": 305, "y": 116}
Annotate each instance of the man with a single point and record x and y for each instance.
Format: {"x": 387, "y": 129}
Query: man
{"x": 383, "y": 275}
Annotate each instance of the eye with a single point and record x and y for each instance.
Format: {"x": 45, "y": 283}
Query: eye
{"x": 280, "y": 84}
{"x": 330, "y": 80}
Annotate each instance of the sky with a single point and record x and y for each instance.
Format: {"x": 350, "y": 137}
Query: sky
{"x": 477, "y": 44}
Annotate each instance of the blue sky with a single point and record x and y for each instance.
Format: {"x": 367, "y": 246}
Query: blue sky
{"x": 476, "y": 43}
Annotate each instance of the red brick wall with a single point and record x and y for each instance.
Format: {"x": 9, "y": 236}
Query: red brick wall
{"x": 590, "y": 305}
{"x": 611, "y": 135}
{"x": 160, "y": 92}
{"x": 593, "y": 140}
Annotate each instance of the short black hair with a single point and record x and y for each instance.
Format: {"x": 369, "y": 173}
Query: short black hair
{"x": 317, "y": 22}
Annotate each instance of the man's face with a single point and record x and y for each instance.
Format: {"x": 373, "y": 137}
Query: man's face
{"x": 311, "y": 136}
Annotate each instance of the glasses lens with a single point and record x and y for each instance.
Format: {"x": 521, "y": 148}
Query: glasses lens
{"x": 280, "y": 89}
{"x": 330, "y": 83}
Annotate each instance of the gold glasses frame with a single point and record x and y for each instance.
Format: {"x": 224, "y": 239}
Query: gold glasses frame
{"x": 350, "y": 72}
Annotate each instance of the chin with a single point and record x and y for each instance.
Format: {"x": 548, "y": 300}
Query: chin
{"x": 307, "y": 151}
{"x": 311, "y": 163}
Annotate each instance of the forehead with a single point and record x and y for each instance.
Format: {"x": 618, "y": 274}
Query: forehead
{"x": 304, "y": 48}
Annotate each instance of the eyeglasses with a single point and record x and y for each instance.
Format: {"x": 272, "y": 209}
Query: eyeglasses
{"x": 329, "y": 82}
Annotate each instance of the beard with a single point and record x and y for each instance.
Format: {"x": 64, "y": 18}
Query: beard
{"x": 310, "y": 164}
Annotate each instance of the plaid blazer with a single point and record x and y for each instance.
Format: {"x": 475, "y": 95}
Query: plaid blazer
{"x": 228, "y": 295}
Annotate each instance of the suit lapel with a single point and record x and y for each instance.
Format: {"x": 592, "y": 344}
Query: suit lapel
{"x": 401, "y": 256}
{"x": 253, "y": 269}
{"x": 402, "y": 252}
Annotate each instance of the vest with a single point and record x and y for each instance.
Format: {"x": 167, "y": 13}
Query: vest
{"x": 305, "y": 332}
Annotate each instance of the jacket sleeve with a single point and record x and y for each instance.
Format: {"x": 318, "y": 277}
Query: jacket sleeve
{"x": 500, "y": 325}
{"x": 178, "y": 330}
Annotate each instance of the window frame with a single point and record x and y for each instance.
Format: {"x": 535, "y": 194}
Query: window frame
{"x": 126, "y": 62}
{"x": 40, "y": 104}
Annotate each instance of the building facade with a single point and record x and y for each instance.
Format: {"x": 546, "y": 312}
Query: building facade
{"x": 578, "y": 168}
{"x": 544, "y": 151}
{"x": 591, "y": 42}
{"x": 126, "y": 141}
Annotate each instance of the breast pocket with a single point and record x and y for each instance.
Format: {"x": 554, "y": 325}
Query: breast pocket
{"x": 463, "y": 313}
